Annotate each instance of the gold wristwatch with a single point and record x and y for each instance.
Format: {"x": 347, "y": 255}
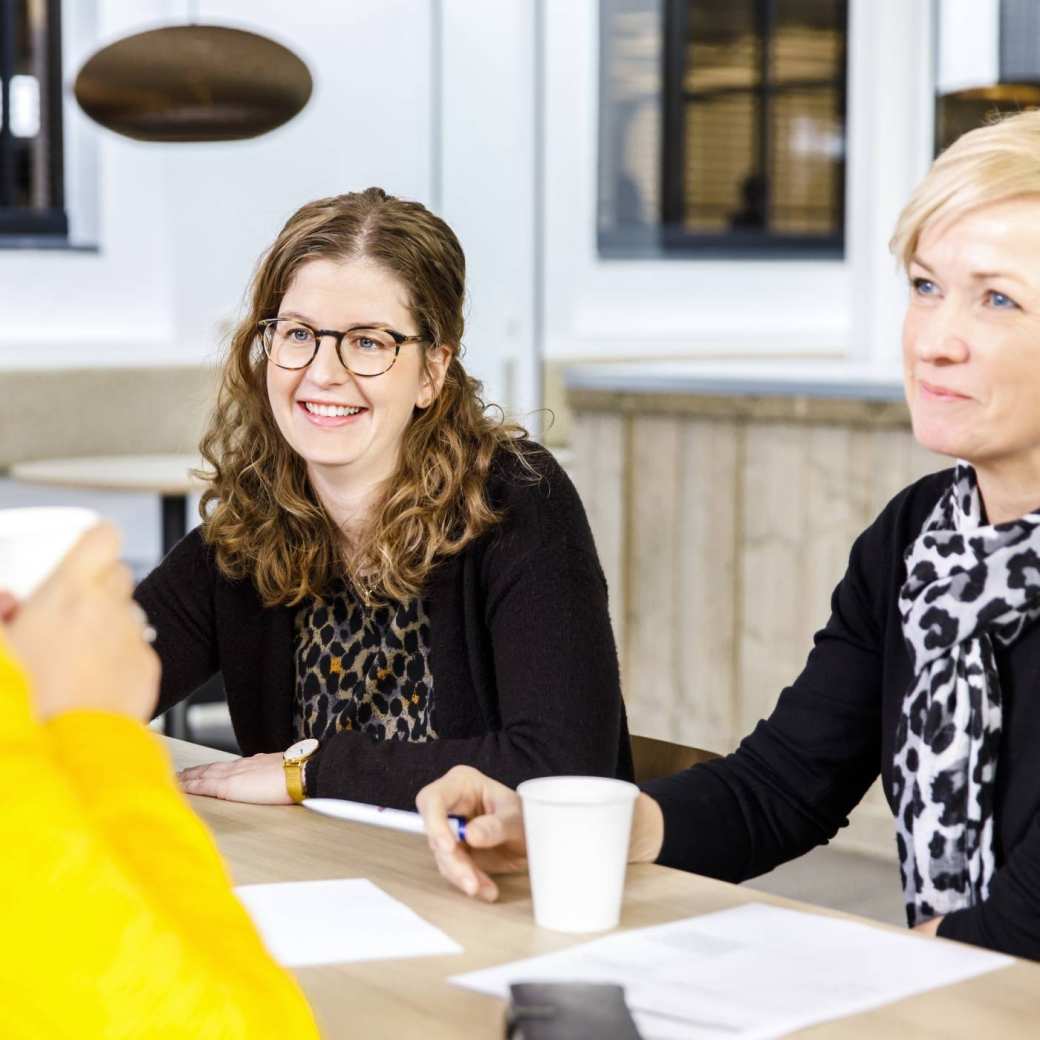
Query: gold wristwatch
{"x": 293, "y": 759}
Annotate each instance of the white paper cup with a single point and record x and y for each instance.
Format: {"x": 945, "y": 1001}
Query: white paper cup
{"x": 577, "y": 830}
{"x": 33, "y": 542}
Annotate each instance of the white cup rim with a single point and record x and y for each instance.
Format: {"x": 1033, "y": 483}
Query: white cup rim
{"x": 551, "y": 790}
{"x": 39, "y": 520}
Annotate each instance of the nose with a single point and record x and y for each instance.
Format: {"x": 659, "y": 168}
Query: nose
{"x": 939, "y": 336}
{"x": 326, "y": 369}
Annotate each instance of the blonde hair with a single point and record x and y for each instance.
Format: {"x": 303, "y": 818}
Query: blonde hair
{"x": 992, "y": 163}
{"x": 260, "y": 513}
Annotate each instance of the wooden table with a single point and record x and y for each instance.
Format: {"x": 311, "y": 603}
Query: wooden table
{"x": 412, "y": 998}
{"x": 168, "y": 476}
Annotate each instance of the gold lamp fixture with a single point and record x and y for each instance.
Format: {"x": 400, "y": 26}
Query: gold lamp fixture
{"x": 193, "y": 83}
{"x": 989, "y": 64}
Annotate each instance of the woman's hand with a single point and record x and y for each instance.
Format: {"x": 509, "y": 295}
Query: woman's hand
{"x": 929, "y": 927}
{"x": 494, "y": 830}
{"x": 259, "y": 779}
{"x": 81, "y": 637}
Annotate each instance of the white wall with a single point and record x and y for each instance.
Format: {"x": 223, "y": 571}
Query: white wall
{"x": 487, "y": 189}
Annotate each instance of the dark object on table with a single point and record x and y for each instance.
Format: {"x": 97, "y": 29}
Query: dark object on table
{"x": 568, "y": 1011}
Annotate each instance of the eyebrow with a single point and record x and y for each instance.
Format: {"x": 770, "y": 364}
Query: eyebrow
{"x": 978, "y": 276}
{"x": 357, "y": 325}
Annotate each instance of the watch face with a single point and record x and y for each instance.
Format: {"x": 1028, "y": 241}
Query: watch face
{"x": 301, "y": 749}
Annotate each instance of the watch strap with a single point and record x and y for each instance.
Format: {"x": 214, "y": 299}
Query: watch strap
{"x": 294, "y": 779}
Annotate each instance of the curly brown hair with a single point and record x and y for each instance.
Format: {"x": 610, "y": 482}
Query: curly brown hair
{"x": 260, "y": 513}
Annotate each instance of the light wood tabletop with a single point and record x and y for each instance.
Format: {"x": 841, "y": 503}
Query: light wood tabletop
{"x": 154, "y": 474}
{"x": 412, "y": 998}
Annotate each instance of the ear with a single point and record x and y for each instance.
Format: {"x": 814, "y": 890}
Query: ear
{"x": 435, "y": 368}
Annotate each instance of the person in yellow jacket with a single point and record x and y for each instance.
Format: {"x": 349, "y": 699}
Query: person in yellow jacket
{"x": 117, "y": 913}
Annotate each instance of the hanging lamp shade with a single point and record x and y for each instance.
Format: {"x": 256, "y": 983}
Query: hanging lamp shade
{"x": 989, "y": 64}
{"x": 193, "y": 83}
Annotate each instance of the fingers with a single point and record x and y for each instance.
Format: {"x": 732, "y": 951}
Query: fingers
{"x": 95, "y": 551}
{"x": 8, "y": 607}
{"x": 148, "y": 634}
{"x": 485, "y": 832}
{"x": 210, "y": 786}
{"x": 210, "y": 780}
{"x": 210, "y": 769}
{"x": 467, "y": 791}
{"x": 458, "y": 868}
{"x": 115, "y": 581}
{"x": 433, "y": 805}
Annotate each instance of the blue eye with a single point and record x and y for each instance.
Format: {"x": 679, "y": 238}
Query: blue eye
{"x": 923, "y": 286}
{"x": 1002, "y": 302}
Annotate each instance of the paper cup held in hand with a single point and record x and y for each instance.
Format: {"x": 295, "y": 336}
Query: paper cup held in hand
{"x": 577, "y": 830}
{"x": 33, "y": 542}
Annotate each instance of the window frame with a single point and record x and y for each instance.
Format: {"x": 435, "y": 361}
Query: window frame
{"x": 669, "y": 239}
{"x": 19, "y": 221}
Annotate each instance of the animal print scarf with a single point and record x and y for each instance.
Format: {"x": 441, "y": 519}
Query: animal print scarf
{"x": 967, "y": 585}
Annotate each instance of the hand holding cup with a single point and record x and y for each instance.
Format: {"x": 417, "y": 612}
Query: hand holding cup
{"x": 81, "y": 637}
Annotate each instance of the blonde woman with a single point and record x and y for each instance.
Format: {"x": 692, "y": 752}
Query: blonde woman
{"x": 928, "y": 670}
{"x": 391, "y": 581}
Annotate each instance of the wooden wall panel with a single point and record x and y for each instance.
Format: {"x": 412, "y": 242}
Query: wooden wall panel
{"x": 650, "y": 673}
{"x": 771, "y": 568}
{"x": 709, "y": 538}
{"x": 598, "y": 468}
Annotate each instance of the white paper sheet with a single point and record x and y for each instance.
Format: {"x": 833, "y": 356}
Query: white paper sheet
{"x": 752, "y": 972}
{"x": 334, "y": 922}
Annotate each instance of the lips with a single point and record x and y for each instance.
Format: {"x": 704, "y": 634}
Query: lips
{"x": 325, "y": 414}
{"x": 330, "y": 409}
{"x": 941, "y": 393}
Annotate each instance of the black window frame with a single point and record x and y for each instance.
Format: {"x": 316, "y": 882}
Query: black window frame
{"x": 19, "y": 221}
{"x": 670, "y": 240}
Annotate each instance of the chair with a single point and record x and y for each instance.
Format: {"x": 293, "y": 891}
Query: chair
{"x": 652, "y": 758}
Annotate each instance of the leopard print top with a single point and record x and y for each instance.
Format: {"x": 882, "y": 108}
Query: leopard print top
{"x": 363, "y": 668}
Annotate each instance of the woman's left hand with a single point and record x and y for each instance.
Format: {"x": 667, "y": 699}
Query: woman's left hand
{"x": 259, "y": 779}
{"x": 929, "y": 927}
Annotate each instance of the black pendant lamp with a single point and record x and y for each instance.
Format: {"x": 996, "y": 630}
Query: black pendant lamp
{"x": 193, "y": 83}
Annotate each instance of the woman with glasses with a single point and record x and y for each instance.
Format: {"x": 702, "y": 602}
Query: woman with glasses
{"x": 928, "y": 670}
{"x": 391, "y": 580}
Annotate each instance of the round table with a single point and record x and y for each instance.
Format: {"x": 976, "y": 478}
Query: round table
{"x": 168, "y": 476}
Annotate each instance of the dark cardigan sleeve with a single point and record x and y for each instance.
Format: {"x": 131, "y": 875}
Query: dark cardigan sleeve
{"x": 178, "y": 598}
{"x": 555, "y": 665}
{"x": 791, "y": 783}
{"x": 1009, "y": 920}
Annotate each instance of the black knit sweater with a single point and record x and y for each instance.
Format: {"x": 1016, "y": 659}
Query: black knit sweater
{"x": 793, "y": 781}
{"x": 523, "y": 659}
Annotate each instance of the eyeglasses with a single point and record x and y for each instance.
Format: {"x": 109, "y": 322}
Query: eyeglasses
{"x": 289, "y": 343}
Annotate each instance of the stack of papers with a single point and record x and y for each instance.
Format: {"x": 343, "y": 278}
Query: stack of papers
{"x": 335, "y": 922}
{"x": 752, "y": 972}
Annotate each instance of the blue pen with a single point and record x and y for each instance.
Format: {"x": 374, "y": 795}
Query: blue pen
{"x": 379, "y": 816}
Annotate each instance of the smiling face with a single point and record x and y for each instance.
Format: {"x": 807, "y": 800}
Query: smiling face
{"x": 971, "y": 338}
{"x": 349, "y": 428}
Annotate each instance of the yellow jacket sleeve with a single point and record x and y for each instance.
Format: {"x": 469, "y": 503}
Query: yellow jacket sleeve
{"x": 118, "y": 916}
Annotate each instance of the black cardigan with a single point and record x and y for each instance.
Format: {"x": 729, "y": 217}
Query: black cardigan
{"x": 521, "y": 651}
{"x": 792, "y": 782}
